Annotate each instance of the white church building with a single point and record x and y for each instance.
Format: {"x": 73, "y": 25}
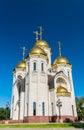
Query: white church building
{"x": 42, "y": 92}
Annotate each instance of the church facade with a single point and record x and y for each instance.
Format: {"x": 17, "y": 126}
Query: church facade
{"x": 43, "y": 92}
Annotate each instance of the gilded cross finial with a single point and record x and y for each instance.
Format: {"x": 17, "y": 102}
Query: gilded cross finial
{"x": 36, "y": 32}
{"x": 59, "y": 44}
{"x": 23, "y": 51}
{"x": 41, "y": 29}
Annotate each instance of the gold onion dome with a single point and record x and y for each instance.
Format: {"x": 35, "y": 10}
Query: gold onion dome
{"x": 61, "y": 91}
{"x": 21, "y": 65}
{"x": 61, "y": 60}
{"x": 37, "y": 51}
{"x": 42, "y": 43}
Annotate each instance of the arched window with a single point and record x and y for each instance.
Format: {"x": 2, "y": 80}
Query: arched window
{"x": 34, "y": 108}
{"x": 34, "y": 66}
{"x": 52, "y": 108}
{"x": 72, "y": 110}
{"x": 42, "y": 66}
{"x": 68, "y": 74}
{"x": 61, "y": 80}
{"x": 43, "y": 109}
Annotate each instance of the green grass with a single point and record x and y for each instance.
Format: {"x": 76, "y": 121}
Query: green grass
{"x": 72, "y": 125}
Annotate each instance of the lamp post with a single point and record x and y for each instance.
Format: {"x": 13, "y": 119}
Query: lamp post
{"x": 59, "y": 105}
{"x": 7, "y": 107}
{"x": 79, "y": 114}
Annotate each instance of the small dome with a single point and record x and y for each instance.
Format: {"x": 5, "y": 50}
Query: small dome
{"x": 21, "y": 65}
{"x": 61, "y": 91}
{"x": 42, "y": 43}
{"x": 61, "y": 60}
{"x": 37, "y": 51}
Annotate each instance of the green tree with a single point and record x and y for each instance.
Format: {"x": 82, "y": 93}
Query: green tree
{"x": 2, "y": 114}
{"x": 7, "y": 113}
{"x": 80, "y": 108}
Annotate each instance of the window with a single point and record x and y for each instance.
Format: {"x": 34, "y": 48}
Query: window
{"x": 34, "y": 66}
{"x": 34, "y": 108}
{"x": 19, "y": 93}
{"x": 68, "y": 74}
{"x": 61, "y": 80}
{"x": 42, "y": 67}
{"x": 72, "y": 110}
{"x": 27, "y": 108}
{"x": 43, "y": 108}
{"x": 52, "y": 108}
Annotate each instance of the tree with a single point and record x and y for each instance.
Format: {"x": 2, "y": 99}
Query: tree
{"x": 2, "y": 114}
{"x": 5, "y": 112}
{"x": 80, "y": 108}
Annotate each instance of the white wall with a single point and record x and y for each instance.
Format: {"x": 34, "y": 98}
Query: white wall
{"x": 38, "y": 88}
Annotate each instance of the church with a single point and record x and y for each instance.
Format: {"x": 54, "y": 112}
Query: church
{"x": 43, "y": 92}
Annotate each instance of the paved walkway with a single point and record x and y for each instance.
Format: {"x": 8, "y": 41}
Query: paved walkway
{"x": 41, "y": 129}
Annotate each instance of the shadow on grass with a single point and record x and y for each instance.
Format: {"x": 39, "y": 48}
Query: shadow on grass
{"x": 77, "y": 125}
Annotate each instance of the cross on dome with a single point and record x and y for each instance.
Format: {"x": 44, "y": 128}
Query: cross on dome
{"x": 23, "y": 51}
{"x": 41, "y": 29}
{"x": 38, "y": 34}
{"x": 59, "y": 45}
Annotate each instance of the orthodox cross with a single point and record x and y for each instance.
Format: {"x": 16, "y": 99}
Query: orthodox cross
{"x": 36, "y": 32}
{"x": 23, "y": 51}
{"x": 41, "y": 29}
{"x": 59, "y": 44}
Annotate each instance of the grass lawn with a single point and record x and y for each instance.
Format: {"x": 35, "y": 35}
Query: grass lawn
{"x": 72, "y": 125}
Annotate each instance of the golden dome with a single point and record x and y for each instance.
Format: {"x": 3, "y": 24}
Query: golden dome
{"x": 61, "y": 91}
{"x": 21, "y": 65}
{"x": 42, "y": 43}
{"x": 61, "y": 60}
{"x": 37, "y": 51}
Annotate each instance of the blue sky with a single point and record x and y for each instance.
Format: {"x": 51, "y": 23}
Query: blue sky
{"x": 61, "y": 19}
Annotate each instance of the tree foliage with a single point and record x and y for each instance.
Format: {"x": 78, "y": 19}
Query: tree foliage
{"x": 80, "y": 107}
{"x": 4, "y": 113}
